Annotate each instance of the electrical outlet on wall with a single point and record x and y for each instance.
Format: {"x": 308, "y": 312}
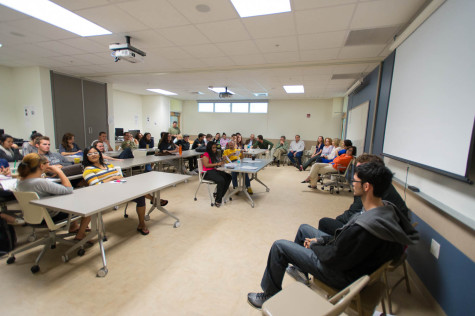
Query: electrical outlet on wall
{"x": 435, "y": 248}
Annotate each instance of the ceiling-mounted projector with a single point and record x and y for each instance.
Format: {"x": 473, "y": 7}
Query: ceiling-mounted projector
{"x": 225, "y": 94}
{"x": 126, "y": 52}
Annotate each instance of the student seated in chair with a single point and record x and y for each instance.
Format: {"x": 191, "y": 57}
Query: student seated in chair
{"x": 296, "y": 149}
{"x": 96, "y": 171}
{"x": 360, "y": 247}
{"x": 221, "y": 178}
{"x": 233, "y": 155}
{"x": 330, "y": 225}
{"x": 262, "y": 143}
{"x": 9, "y": 150}
{"x": 43, "y": 145}
{"x": 340, "y": 164}
{"x": 31, "y": 170}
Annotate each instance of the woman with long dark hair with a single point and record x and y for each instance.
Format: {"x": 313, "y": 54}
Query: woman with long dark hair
{"x": 96, "y": 171}
{"x": 221, "y": 178}
{"x": 68, "y": 147}
{"x": 8, "y": 149}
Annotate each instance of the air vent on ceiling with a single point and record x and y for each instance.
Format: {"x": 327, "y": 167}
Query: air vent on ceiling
{"x": 261, "y": 94}
{"x": 371, "y": 36}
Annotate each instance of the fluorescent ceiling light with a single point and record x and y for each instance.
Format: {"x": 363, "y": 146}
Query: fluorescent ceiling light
{"x": 294, "y": 89}
{"x": 247, "y": 8}
{"x": 261, "y": 94}
{"x": 56, "y": 15}
{"x": 1, "y": 44}
{"x": 165, "y": 92}
{"x": 219, "y": 89}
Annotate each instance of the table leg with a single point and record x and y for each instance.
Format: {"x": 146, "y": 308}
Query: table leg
{"x": 102, "y": 272}
{"x": 156, "y": 205}
{"x": 254, "y": 177}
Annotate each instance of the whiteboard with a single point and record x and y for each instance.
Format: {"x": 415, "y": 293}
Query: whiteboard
{"x": 357, "y": 124}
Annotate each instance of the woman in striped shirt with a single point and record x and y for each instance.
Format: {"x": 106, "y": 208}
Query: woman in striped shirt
{"x": 97, "y": 172}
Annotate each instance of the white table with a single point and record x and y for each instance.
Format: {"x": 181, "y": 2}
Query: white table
{"x": 71, "y": 158}
{"x": 92, "y": 201}
{"x": 250, "y": 167}
{"x": 255, "y": 152}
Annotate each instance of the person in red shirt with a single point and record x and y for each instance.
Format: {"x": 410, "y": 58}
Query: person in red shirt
{"x": 339, "y": 163}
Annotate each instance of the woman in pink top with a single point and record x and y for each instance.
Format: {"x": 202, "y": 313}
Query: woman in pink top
{"x": 221, "y": 178}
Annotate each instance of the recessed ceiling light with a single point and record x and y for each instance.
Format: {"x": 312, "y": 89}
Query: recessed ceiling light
{"x": 220, "y": 89}
{"x": 160, "y": 91}
{"x": 294, "y": 89}
{"x": 247, "y": 8}
{"x": 261, "y": 94}
{"x": 1, "y": 45}
{"x": 56, "y": 15}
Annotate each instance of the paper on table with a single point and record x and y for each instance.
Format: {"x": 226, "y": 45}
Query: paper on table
{"x": 8, "y": 185}
{"x": 248, "y": 168}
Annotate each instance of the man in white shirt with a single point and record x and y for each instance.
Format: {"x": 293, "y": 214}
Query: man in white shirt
{"x": 251, "y": 141}
{"x": 103, "y": 138}
{"x": 296, "y": 149}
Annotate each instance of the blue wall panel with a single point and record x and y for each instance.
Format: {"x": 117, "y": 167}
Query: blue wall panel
{"x": 451, "y": 278}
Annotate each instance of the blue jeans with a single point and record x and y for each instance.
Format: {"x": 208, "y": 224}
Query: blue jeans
{"x": 235, "y": 179}
{"x": 298, "y": 156}
{"x": 284, "y": 252}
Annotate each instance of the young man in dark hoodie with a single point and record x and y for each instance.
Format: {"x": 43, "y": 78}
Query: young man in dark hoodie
{"x": 368, "y": 240}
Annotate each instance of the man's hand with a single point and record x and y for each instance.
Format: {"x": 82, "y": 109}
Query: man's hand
{"x": 307, "y": 242}
{"x": 295, "y": 154}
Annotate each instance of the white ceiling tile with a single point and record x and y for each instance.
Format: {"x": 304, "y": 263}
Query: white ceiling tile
{"x": 254, "y": 59}
{"x": 324, "y": 20}
{"x": 384, "y": 13}
{"x": 189, "y": 63}
{"x": 7, "y": 14}
{"x": 39, "y": 50}
{"x": 112, "y": 18}
{"x": 40, "y": 28}
{"x": 85, "y": 44}
{"x": 159, "y": 13}
{"x": 148, "y": 38}
{"x": 203, "y": 51}
{"x": 218, "y": 61}
{"x": 224, "y": 31}
{"x": 322, "y": 40}
{"x": 81, "y": 4}
{"x": 361, "y": 51}
{"x": 60, "y": 49}
{"x": 219, "y": 10}
{"x": 349, "y": 69}
{"x": 312, "y": 4}
{"x": 171, "y": 53}
{"x": 319, "y": 54}
{"x": 239, "y": 48}
{"x": 278, "y": 44}
{"x": 281, "y": 58}
{"x": 274, "y": 25}
{"x": 184, "y": 35}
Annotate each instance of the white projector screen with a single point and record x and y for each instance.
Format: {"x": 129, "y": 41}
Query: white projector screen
{"x": 432, "y": 103}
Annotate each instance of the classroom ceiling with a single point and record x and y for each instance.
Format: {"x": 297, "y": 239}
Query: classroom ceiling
{"x": 323, "y": 44}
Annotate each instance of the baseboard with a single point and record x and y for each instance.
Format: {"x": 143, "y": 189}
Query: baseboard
{"x": 419, "y": 286}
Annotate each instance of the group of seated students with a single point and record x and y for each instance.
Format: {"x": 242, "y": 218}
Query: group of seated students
{"x": 374, "y": 230}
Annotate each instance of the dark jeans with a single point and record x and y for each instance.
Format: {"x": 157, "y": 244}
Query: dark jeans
{"x": 298, "y": 156}
{"x": 284, "y": 252}
{"x": 192, "y": 163}
{"x": 222, "y": 179}
{"x": 235, "y": 175}
{"x": 309, "y": 161}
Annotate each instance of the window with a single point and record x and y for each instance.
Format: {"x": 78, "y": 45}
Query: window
{"x": 205, "y": 107}
{"x": 240, "y": 107}
{"x": 258, "y": 107}
{"x": 222, "y": 107}
{"x": 234, "y": 107}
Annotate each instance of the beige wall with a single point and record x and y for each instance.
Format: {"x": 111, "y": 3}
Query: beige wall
{"x": 127, "y": 110}
{"x": 284, "y": 117}
{"x": 156, "y": 115}
{"x": 30, "y": 88}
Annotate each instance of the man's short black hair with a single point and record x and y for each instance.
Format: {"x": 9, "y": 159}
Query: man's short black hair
{"x": 200, "y": 135}
{"x": 100, "y": 133}
{"x": 260, "y": 137}
{"x": 377, "y": 175}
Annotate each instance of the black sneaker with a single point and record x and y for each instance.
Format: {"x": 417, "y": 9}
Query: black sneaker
{"x": 298, "y": 275}
{"x": 257, "y": 299}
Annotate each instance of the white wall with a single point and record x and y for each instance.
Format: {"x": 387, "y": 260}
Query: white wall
{"x": 127, "y": 109}
{"x": 156, "y": 115}
{"x": 26, "y": 88}
{"x": 284, "y": 117}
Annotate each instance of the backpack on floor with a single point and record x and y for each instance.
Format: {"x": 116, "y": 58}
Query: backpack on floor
{"x": 7, "y": 237}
